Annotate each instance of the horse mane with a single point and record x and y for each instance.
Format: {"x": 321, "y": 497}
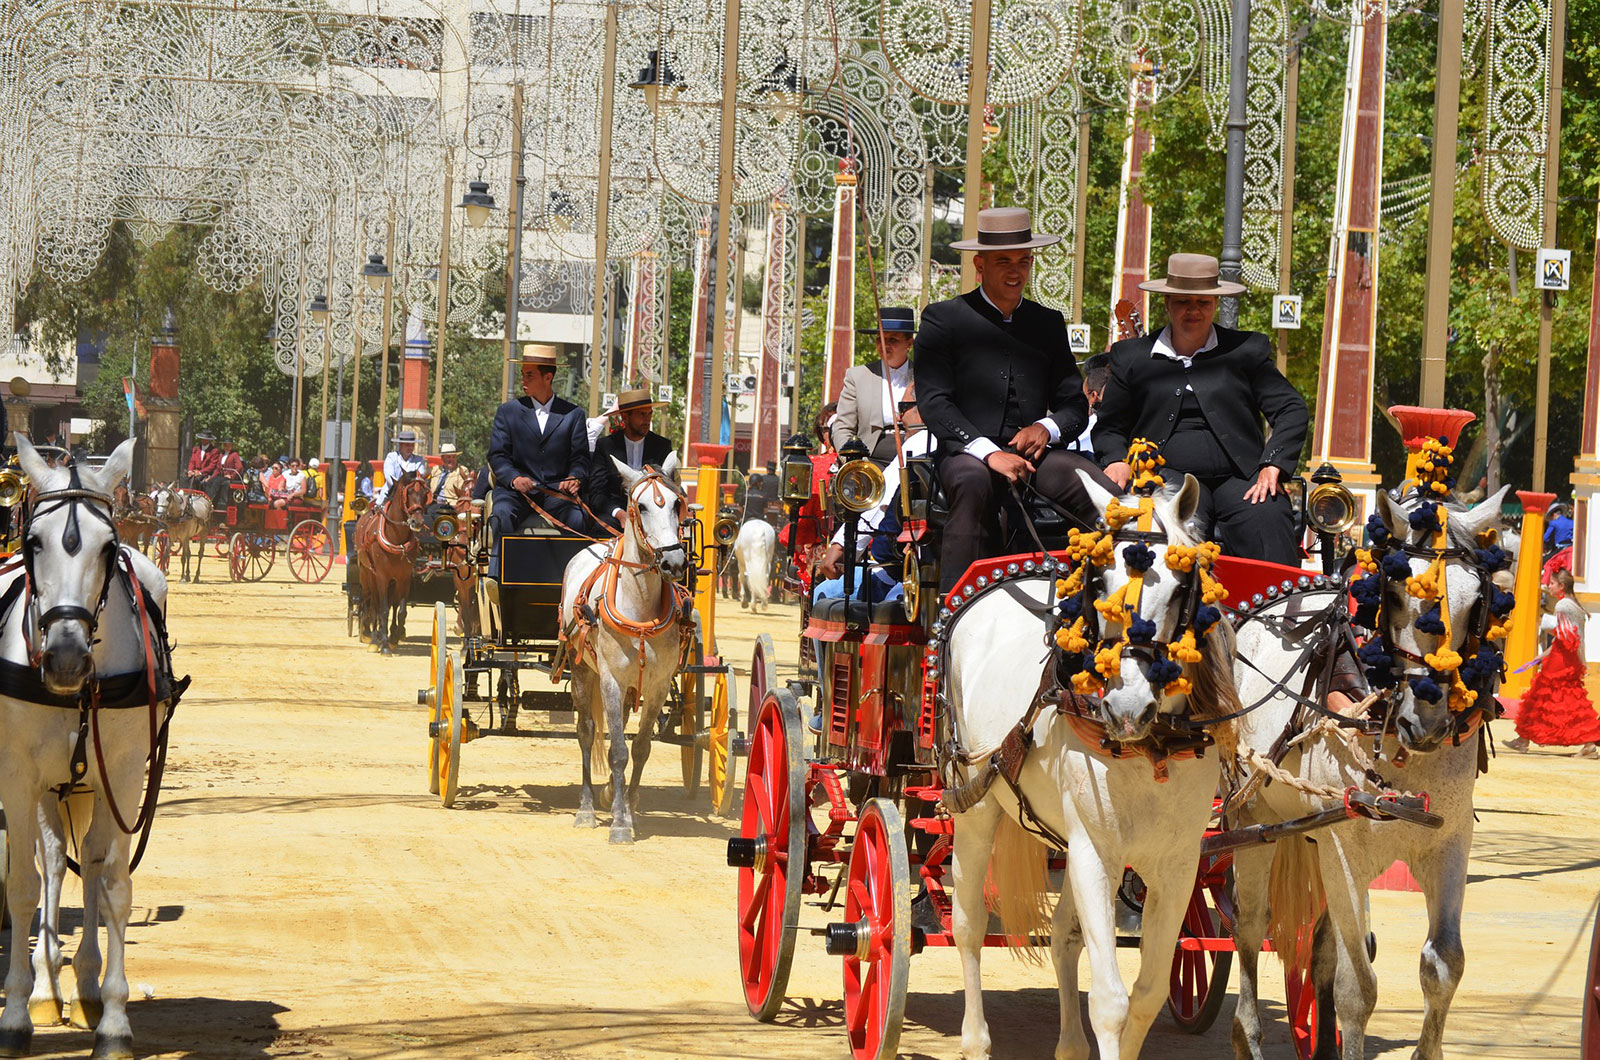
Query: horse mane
{"x": 1215, "y": 695}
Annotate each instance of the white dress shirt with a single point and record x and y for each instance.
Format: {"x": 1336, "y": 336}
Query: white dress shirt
{"x": 395, "y": 465}
{"x": 634, "y": 452}
{"x": 982, "y": 447}
{"x": 895, "y": 392}
{"x": 1163, "y": 348}
{"x": 542, "y": 411}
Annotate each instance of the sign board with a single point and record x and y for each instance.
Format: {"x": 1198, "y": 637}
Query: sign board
{"x": 1286, "y": 311}
{"x": 338, "y": 436}
{"x": 608, "y": 400}
{"x": 664, "y": 392}
{"x": 1555, "y": 270}
{"x": 1078, "y": 339}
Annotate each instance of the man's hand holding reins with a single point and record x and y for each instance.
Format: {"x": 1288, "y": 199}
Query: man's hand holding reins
{"x": 1010, "y": 465}
{"x": 1120, "y": 473}
{"x": 569, "y": 486}
{"x": 1031, "y": 441}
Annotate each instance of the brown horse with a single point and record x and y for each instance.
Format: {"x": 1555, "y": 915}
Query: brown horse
{"x": 135, "y": 517}
{"x": 386, "y": 552}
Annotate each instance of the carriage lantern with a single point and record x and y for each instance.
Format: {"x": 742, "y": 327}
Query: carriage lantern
{"x": 13, "y": 488}
{"x": 797, "y": 470}
{"x": 858, "y": 485}
{"x": 1331, "y": 507}
{"x": 445, "y": 526}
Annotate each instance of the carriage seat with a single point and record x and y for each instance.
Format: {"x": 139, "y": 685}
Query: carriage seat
{"x": 860, "y": 613}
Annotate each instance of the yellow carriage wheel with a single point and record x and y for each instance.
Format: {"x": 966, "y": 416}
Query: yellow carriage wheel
{"x": 691, "y": 709}
{"x": 432, "y": 694}
{"x": 452, "y": 719}
{"x": 720, "y": 760}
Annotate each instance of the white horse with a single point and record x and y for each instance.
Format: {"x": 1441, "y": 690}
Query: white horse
{"x": 754, "y": 548}
{"x": 186, "y": 514}
{"x": 1111, "y": 811}
{"x": 1423, "y": 749}
{"x": 623, "y": 636}
{"x": 68, "y": 613}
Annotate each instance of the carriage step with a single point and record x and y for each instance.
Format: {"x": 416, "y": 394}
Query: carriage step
{"x": 707, "y": 669}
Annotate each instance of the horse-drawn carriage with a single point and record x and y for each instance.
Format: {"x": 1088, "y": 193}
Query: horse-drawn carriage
{"x": 860, "y": 814}
{"x": 521, "y": 629}
{"x": 256, "y": 531}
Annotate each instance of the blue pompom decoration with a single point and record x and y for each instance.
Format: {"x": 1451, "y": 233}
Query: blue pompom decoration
{"x": 1205, "y": 617}
{"x": 1071, "y": 663}
{"x": 1426, "y": 517}
{"x": 1426, "y": 688}
{"x": 1138, "y": 557}
{"x": 1141, "y": 630}
{"x": 1494, "y": 558}
{"x": 1431, "y": 621}
{"x": 1395, "y": 565}
{"x": 1379, "y": 664}
{"x": 1164, "y": 670}
{"x": 1072, "y": 606}
{"x": 1501, "y": 602}
{"x": 1378, "y": 531}
{"x": 1477, "y": 670}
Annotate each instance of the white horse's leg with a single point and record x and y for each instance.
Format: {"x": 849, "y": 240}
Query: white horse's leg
{"x": 86, "y": 1007}
{"x": 1094, "y": 892}
{"x": 611, "y": 694}
{"x": 1252, "y": 868}
{"x": 587, "y": 712}
{"x": 1355, "y": 982}
{"x": 1066, "y": 945}
{"x": 1443, "y": 876}
{"x": 641, "y": 743}
{"x": 1168, "y": 889}
{"x": 113, "y": 1037}
{"x": 44, "y": 1006}
{"x": 974, "y": 837}
{"x": 22, "y": 897}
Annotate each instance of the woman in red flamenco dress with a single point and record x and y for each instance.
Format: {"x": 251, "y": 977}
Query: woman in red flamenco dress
{"x": 1556, "y": 712}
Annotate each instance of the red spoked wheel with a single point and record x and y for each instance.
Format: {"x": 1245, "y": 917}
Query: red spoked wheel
{"x": 1591, "y": 1002}
{"x": 1201, "y": 966}
{"x": 310, "y": 551}
{"x": 219, "y": 543}
{"x": 1300, "y": 996}
{"x": 770, "y": 853}
{"x": 877, "y": 933}
{"x": 161, "y": 550}
{"x": 250, "y": 556}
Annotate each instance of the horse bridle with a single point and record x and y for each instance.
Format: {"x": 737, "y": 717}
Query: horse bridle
{"x": 72, "y": 497}
{"x": 1153, "y": 649}
{"x": 655, "y": 480}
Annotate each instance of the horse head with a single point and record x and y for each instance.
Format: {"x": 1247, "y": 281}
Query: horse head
{"x": 69, "y": 547}
{"x": 1427, "y": 592}
{"x": 655, "y": 515}
{"x": 407, "y": 503}
{"x": 1139, "y": 603}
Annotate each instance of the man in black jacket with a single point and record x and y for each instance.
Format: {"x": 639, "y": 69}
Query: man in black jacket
{"x": 997, "y": 385}
{"x": 538, "y": 451}
{"x": 1200, "y": 392}
{"x": 635, "y": 445}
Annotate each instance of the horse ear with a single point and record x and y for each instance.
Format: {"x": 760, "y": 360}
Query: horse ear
{"x": 630, "y": 477}
{"x": 1394, "y": 516}
{"x": 1097, "y": 493}
{"x": 33, "y": 464}
{"x": 670, "y": 467}
{"x": 117, "y": 465}
{"x": 1187, "y": 500}
{"x": 1466, "y": 526}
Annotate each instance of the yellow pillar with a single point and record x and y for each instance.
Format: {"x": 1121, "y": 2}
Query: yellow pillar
{"x": 1523, "y": 643}
{"x": 709, "y": 456}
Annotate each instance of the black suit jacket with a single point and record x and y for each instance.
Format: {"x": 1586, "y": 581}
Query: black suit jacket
{"x": 1236, "y": 383}
{"x": 518, "y": 447}
{"x": 605, "y": 485}
{"x": 967, "y": 357}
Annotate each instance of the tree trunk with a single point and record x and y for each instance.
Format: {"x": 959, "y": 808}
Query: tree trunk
{"x": 1491, "y": 419}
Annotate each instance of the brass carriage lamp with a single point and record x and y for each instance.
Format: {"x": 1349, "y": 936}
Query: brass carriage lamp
{"x": 796, "y": 470}
{"x": 375, "y": 271}
{"x": 478, "y": 203}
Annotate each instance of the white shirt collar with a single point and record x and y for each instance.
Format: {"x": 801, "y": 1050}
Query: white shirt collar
{"x": 1163, "y": 346}
{"x": 542, "y": 406}
{"x": 1003, "y": 315}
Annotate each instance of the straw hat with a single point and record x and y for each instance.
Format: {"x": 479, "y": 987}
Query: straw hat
{"x": 540, "y": 354}
{"x": 633, "y": 400}
{"x": 1193, "y": 274}
{"x": 1005, "y": 228}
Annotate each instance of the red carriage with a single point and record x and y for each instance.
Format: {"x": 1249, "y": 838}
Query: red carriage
{"x": 854, "y": 822}
{"x": 251, "y": 533}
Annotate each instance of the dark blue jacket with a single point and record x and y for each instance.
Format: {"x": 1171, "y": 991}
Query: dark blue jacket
{"x": 518, "y": 447}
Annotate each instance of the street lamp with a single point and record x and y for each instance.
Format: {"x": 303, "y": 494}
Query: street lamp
{"x": 656, "y": 76}
{"x": 318, "y": 308}
{"x": 478, "y": 203}
{"x": 375, "y": 271}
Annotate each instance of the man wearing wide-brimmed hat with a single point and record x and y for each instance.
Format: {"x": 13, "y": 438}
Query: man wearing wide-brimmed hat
{"x": 204, "y": 459}
{"x": 635, "y": 445}
{"x": 1201, "y": 392}
{"x": 998, "y": 386}
{"x": 402, "y": 458}
{"x": 538, "y": 451}
{"x": 871, "y": 395}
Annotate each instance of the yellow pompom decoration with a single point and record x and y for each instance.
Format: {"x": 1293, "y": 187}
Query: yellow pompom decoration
{"x": 1184, "y": 649}
{"x": 1499, "y": 629}
{"x": 1108, "y": 661}
{"x": 1443, "y": 659}
{"x": 1114, "y": 607}
{"x": 1086, "y": 684}
{"x": 1211, "y": 590}
{"x": 1118, "y": 514}
{"x": 1365, "y": 561}
{"x": 1071, "y": 638}
{"x": 1181, "y": 686}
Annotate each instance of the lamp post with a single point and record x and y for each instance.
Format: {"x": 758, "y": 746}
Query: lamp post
{"x": 379, "y": 275}
{"x": 519, "y": 183}
{"x": 1232, "y": 257}
{"x": 478, "y": 204}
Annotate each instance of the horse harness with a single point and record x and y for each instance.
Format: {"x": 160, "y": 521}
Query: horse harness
{"x": 149, "y": 688}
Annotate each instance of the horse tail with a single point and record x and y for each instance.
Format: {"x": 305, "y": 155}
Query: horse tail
{"x": 1018, "y": 888}
{"x": 1295, "y": 899}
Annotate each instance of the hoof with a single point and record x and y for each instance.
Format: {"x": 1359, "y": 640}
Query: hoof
{"x": 585, "y": 819}
{"x": 621, "y": 835}
{"x": 84, "y": 1013}
{"x": 112, "y": 1047}
{"x": 386, "y": 651}
{"x": 44, "y": 1011}
{"x": 15, "y": 1041}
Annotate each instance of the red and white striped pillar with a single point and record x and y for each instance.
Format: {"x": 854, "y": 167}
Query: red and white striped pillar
{"x": 642, "y": 333}
{"x": 698, "y": 381}
{"x": 764, "y": 444}
{"x": 842, "y": 283}
{"x": 1132, "y": 265}
{"x": 1343, "y": 427}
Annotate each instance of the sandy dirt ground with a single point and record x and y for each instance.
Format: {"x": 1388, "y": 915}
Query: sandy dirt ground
{"x": 304, "y": 895}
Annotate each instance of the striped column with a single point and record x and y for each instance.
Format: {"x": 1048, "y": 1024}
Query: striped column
{"x": 697, "y": 383}
{"x": 1132, "y": 266}
{"x": 1343, "y": 431}
{"x": 842, "y": 283}
{"x": 774, "y": 294}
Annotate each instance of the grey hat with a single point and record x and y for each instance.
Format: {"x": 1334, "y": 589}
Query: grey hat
{"x": 1005, "y": 228}
{"x": 407, "y": 435}
{"x": 1193, "y": 274}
